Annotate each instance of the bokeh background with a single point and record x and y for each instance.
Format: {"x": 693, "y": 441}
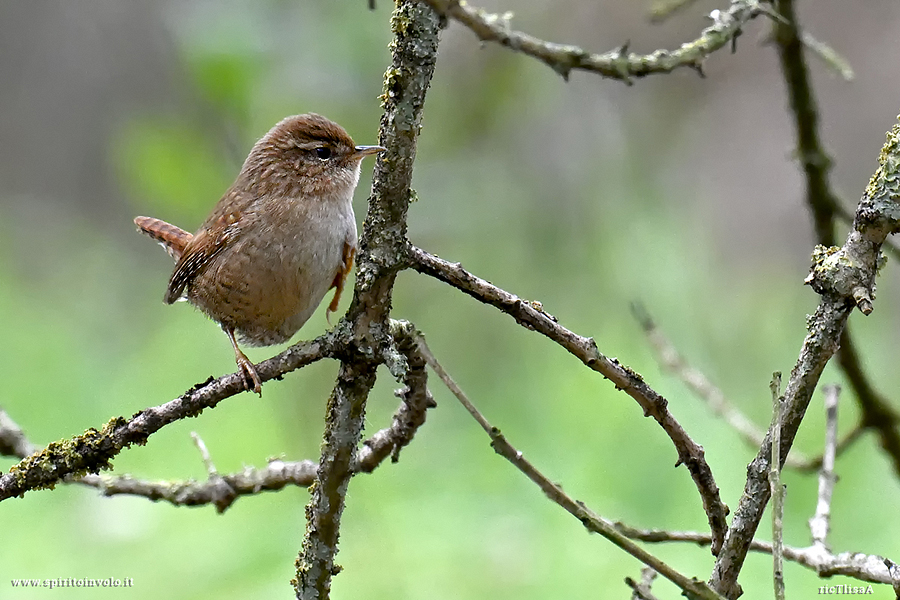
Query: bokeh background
{"x": 678, "y": 192}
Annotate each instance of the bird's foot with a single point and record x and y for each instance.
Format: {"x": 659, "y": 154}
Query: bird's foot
{"x": 248, "y": 371}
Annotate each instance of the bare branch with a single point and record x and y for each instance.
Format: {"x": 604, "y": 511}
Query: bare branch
{"x": 382, "y": 255}
{"x": 825, "y": 207}
{"x": 532, "y": 316}
{"x": 412, "y": 411}
{"x": 692, "y": 588}
{"x": 615, "y": 64}
{"x": 698, "y": 383}
{"x": 222, "y": 491}
{"x": 93, "y": 450}
{"x": 219, "y": 490}
{"x": 814, "y": 464}
{"x": 204, "y": 455}
{"x": 641, "y": 589}
{"x": 864, "y": 567}
{"x": 670, "y": 359}
{"x": 844, "y": 278}
{"x": 819, "y": 524}
{"x": 777, "y": 490}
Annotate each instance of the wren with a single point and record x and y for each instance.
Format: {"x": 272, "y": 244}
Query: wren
{"x": 280, "y": 238}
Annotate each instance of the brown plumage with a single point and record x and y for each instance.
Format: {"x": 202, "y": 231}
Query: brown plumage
{"x": 277, "y": 241}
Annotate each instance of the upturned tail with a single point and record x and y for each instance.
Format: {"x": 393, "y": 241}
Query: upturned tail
{"x": 173, "y": 239}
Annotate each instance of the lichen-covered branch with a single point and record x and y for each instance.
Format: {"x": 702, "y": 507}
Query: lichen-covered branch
{"x": 223, "y": 490}
{"x": 381, "y": 255}
{"x": 614, "y": 64}
{"x": 416, "y": 400}
{"x": 94, "y": 450}
{"x": 844, "y": 277}
{"x": 825, "y": 208}
{"x": 532, "y": 316}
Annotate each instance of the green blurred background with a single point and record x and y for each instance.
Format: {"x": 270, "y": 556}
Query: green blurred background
{"x": 678, "y": 192}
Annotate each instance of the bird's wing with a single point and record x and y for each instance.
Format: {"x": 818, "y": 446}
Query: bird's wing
{"x": 219, "y": 231}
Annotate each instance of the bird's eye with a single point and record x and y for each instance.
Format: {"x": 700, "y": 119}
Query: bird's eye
{"x": 323, "y": 153}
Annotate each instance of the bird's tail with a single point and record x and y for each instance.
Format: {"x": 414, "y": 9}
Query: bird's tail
{"x": 173, "y": 239}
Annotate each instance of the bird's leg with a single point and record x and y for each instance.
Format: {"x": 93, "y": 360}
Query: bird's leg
{"x": 247, "y": 369}
{"x": 340, "y": 278}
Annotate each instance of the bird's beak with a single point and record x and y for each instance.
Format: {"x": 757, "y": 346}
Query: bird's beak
{"x": 361, "y": 152}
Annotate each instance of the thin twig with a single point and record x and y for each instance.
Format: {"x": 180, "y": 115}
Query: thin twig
{"x": 12, "y": 439}
{"x": 692, "y": 588}
{"x": 864, "y": 567}
{"x": 532, "y": 316}
{"x": 777, "y": 490}
{"x": 670, "y": 359}
{"x": 615, "y": 64}
{"x": 416, "y": 400}
{"x": 819, "y": 524}
{"x": 826, "y": 53}
{"x": 696, "y": 381}
{"x": 640, "y": 590}
{"x": 204, "y": 455}
{"x": 220, "y": 491}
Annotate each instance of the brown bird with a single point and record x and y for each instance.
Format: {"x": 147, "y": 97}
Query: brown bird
{"x": 282, "y": 236}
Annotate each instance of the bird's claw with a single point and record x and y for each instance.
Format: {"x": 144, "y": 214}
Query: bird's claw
{"x": 251, "y": 378}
